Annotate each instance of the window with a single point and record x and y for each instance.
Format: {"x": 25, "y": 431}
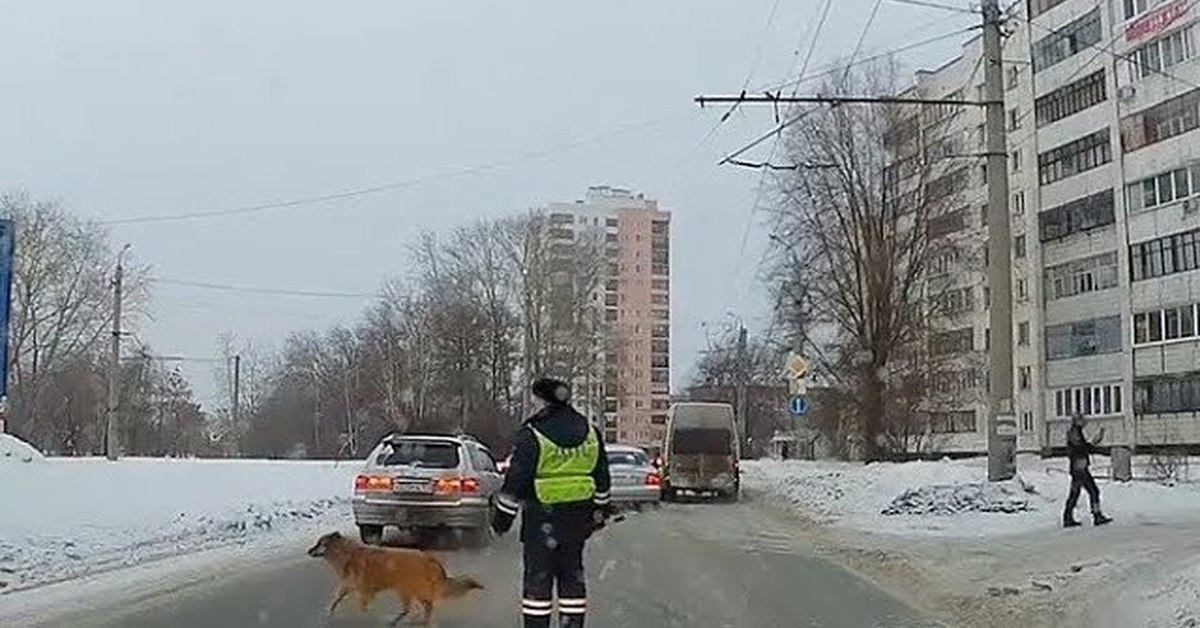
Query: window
{"x": 953, "y": 422}
{"x": 1027, "y": 421}
{"x": 981, "y": 136}
{"x": 1012, "y": 77}
{"x": 658, "y": 419}
{"x": 659, "y": 227}
{"x": 1160, "y": 54}
{"x": 1176, "y": 185}
{"x": 1103, "y": 400}
{"x": 1022, "y": 289}
{"x": 1023, "y": 334}
{"x": 1083, "y": 338}
{"x": 1171, "y": 323}
{"x": 1014, "y": 119}
{"x": 658, "y": 269}
{"x": 945, "y": 224}
{"x": 658, "y": 299}
{"x": 659, "y": 284}
{"x": 1088, "y": 152}
{"x": 1019, "y": 246}
{"x": 1070, "y": 99}
{"x": 956, "y": 301}
{"x": 1023, "y": 377}
{"x": 1167, "y": 255}
{"x": 659, "y": 376}
{"x": 950, "y": 342}
{"x": 610, "y": 315}
{"x": 1015, "y": 160}
{"x": 955, "y": 382}
{"x": 1162, "y": 121}
{"x": 1038, "y": 7}
{"x": 1098, "y": 272}
{"x": 1067, "y": 41}
{"x": 1167, "y": 394}
{"x": 1018, "y": 203}
{"x": 1077, "y": 216}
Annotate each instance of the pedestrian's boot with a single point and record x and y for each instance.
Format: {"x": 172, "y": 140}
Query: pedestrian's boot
{"x": 1099, "y": 519}
{"x": 1070, "y": 522}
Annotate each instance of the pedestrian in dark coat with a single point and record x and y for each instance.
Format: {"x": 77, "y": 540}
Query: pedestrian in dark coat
{"x": 559, "y": 481}
{"x": 1079, "y": 452}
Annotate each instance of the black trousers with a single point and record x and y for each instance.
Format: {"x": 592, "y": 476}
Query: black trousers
{"x": 1082, "y": 478}
{"x": 551, "y": 565}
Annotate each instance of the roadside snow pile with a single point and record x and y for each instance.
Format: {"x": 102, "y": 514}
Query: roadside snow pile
{"x": 67, "y": 518}
{"x": 952, "y": 499}
{"x": 13, "y": 449}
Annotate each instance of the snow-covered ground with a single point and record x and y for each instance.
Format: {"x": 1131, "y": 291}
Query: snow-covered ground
{"x": 13, "y": 450}
{"x": 64, "y": 518}
{"x": 1144, "y": 570}
{"x": 953, "y": 499}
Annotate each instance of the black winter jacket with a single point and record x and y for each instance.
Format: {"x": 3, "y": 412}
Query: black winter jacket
{"x": 565, "y": 522}
{"x": 1079, "y": 449}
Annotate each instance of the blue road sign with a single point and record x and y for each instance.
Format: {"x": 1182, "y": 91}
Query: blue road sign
{"x": 7, "y": 241}
{"x": 798, "y": 405}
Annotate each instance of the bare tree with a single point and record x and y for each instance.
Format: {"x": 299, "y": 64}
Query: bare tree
{"x": 61, "y": 306}
{"x": 854, "y": 221}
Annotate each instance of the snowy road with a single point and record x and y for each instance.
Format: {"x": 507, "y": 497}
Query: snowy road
{"x": 685, "y": 565}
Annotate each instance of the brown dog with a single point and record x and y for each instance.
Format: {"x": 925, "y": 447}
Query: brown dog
{"x": 411, "y": 574}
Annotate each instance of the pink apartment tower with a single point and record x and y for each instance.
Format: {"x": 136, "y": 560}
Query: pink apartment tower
{"x": 630, "y": 394}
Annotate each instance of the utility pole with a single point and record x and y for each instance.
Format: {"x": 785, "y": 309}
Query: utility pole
{"x": 236, "y": 410}
{"x": 1001, "y": 426}
{"x": 740, "y": 392}
{"x": 111, "y": 446}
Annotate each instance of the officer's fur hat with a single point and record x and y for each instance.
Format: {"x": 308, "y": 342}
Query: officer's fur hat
{"x": 551, "y": 390}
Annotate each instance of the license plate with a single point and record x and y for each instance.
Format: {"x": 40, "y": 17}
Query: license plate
{"x": 413, "y": 487}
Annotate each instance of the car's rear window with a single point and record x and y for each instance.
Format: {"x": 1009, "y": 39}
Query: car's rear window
{"x": 702, "y": 441}
{"x": 418, "y": 453}
{"x": 628, "y": 458}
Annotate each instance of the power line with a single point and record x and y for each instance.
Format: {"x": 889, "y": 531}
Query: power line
{"x": 835, "y": 68}
{"x": 937, "y": 5}
{"x": 397, "y": 185}
{"x": 270, "y": 291}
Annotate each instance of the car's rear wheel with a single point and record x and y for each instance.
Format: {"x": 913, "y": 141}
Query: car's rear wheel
{"x": 370, "y": 534}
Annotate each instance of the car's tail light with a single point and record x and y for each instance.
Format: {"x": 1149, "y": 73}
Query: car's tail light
{"x": 653, "y": 479}
{"x": 364, "y": 482}
{"x": 455, "y": 485}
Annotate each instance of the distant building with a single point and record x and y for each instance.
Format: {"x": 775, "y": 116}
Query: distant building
{"x": 632, "y": 393}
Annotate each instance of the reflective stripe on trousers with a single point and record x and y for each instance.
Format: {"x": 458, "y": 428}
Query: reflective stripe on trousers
{"x": 548, "y": 569}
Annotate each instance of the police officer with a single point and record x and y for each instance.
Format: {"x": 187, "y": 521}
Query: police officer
{"x": 559, "y": 481}
{"x": 1079, "y": 452}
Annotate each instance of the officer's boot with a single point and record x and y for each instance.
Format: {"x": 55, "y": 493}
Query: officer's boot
{"x": 1069, "y": 520}
{"x": 1099, "y": 519}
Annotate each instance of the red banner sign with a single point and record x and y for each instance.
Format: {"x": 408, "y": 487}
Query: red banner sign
{"x": 1158, "y": 20}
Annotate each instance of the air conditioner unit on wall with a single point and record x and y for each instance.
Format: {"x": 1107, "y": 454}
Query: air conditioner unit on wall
{"x": 1125, "y": 93}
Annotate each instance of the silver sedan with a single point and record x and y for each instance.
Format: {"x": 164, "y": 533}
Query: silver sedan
{"x": 635, "y": 480}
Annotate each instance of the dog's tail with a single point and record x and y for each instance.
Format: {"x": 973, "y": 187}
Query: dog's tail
{"x": 458, "y": 586}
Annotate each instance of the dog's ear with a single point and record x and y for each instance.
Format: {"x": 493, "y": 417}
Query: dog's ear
{"x": 335, "y": 535}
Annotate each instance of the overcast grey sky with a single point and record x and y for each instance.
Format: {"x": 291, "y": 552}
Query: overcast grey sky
{"x": 128, "y": 108}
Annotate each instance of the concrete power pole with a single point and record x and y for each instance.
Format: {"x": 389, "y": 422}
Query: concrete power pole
{"x": 111, "y": 446}
{"x": 236, "y": 410}
{"x": 740, "y": 394}
{"x": 1001, "y": 426}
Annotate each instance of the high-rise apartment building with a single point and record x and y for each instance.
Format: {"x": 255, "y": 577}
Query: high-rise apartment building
{"x": 632, "y": 394}
{"x": 1103, "y": 104}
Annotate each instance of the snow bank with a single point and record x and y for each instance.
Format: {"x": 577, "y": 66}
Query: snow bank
{"x": 13, "y": 449}
{"x": 947, "y": 498}
{"x": 66, "y": 518}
